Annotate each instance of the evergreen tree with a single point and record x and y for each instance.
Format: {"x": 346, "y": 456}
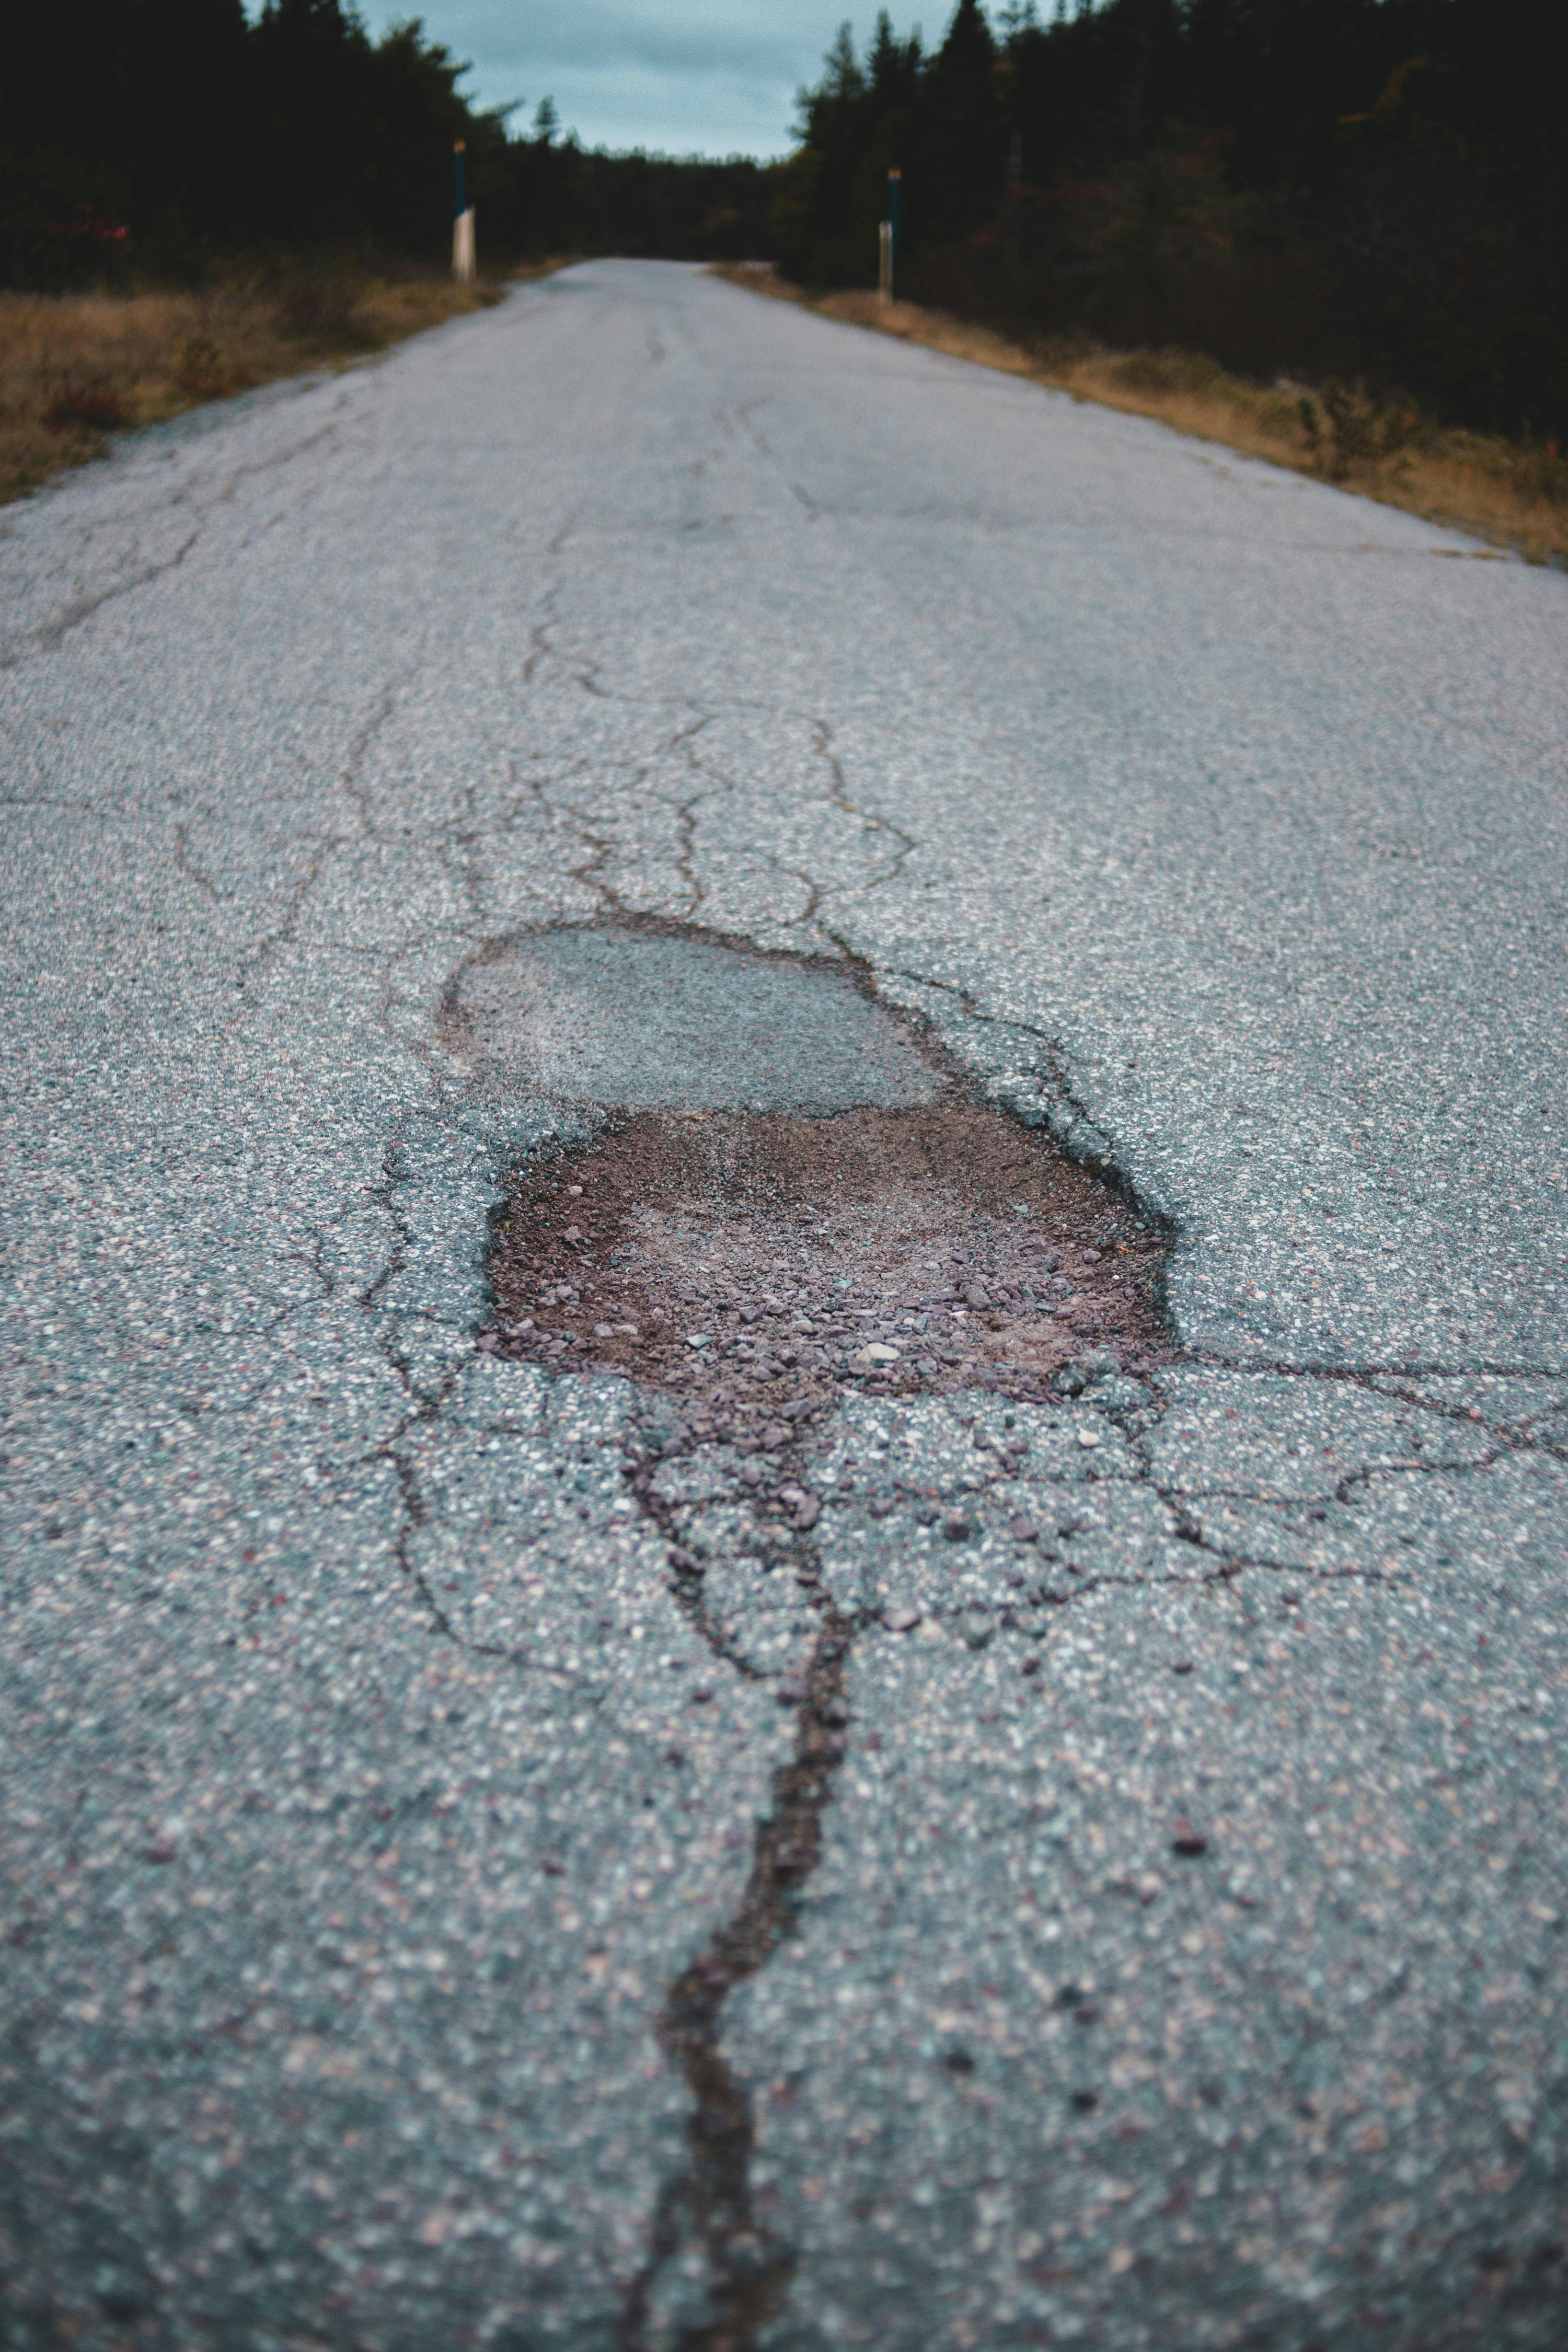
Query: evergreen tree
{"x": 1368, "y": 186}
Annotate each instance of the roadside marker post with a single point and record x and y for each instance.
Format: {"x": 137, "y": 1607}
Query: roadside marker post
{"x": 464, "y": 261}
{"x": 890, "y": 237}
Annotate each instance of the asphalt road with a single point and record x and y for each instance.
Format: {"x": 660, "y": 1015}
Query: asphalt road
{"x": 1213, "y": 815}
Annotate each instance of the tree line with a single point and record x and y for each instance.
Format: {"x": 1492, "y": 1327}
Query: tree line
{"x": 1372, "y": 187}
{"x": 161, "y": 137}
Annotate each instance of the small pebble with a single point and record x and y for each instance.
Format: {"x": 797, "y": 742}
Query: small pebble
{"x": 1024, "y": 1532}
{"x": 955, "y": 1529}
{"x": 1089, "y": 1437}
{"x": 900, "y": 1620}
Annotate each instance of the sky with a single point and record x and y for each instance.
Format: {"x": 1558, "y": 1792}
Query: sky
{"x": 677, "y": 76}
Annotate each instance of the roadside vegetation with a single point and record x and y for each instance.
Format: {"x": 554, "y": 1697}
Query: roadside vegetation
{"x": 1511, "y": 492}
{"x": 1340, "y": 192}
{"x": 76, "y": 368}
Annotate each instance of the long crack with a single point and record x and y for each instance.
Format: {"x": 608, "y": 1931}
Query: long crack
{"x": 748, "y": 2267}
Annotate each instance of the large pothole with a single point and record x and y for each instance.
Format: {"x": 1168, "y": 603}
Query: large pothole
{"x": 785, "y": 1189}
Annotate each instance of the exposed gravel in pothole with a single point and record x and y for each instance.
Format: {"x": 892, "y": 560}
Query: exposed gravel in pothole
{"x": 754, "y": 1265}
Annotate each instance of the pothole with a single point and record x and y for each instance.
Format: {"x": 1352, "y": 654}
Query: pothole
{"x": 784, "y": 1195}
{"x": 785, "y": 1189}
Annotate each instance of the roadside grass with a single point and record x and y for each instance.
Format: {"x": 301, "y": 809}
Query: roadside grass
{"x": 75, "y": 368}
{"x": 1512, "y": 493}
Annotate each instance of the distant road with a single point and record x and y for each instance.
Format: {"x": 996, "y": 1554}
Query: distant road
{"x": 1215, "y": 815}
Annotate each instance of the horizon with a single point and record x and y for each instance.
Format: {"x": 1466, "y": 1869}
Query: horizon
{"x": 707, "y": 77}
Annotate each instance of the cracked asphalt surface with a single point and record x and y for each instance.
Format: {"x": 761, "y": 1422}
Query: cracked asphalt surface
{"x": 1207, "y": 1983}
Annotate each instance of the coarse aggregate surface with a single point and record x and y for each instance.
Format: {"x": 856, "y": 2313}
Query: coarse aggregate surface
{"x": 1174, "y": 1948}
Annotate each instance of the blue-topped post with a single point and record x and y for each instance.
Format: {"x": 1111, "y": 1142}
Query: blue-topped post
{"x": 463, "y": 259}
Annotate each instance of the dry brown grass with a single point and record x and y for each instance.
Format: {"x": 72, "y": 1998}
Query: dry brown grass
{"x": 1514, "y": 494}
{"x": 75, "y": 367}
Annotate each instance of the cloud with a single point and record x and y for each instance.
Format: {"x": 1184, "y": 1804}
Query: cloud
{"x": 682, "y": 77}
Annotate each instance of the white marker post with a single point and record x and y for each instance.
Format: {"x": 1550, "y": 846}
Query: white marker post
{"x": 464, "y": 260}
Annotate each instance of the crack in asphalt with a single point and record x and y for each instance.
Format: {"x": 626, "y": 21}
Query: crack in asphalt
{"x": 749, "y": 2267}
{"x": 71, "y": 616}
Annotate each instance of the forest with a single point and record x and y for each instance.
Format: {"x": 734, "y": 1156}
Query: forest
{"x": 156, "y": 139}
{"x": 1376, "y": 188}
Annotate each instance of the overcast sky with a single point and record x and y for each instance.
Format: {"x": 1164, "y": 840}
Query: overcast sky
{"x": 683, "y": 77}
